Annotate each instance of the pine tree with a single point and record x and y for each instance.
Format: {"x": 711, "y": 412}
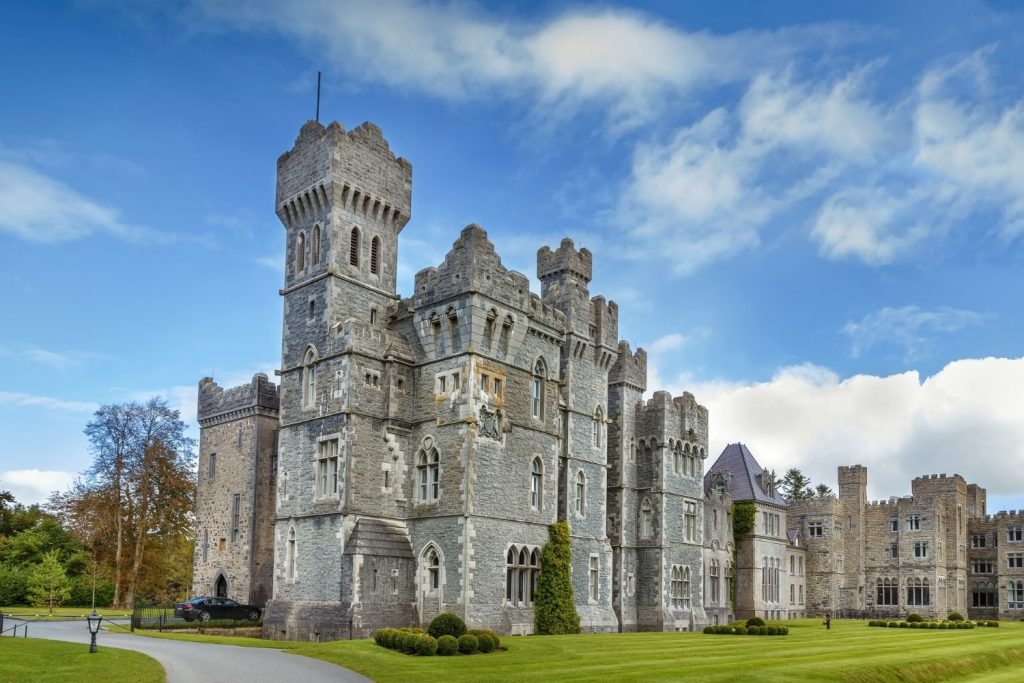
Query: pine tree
{"x": 823, "y": 491}
{"x": 48, "y": 584}
{"x": 555, "y": 608}
{"x": 795, "y": 486}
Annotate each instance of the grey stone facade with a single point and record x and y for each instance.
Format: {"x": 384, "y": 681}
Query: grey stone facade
{"x": 235, "y": 505}
{"x": 419, "y": 447}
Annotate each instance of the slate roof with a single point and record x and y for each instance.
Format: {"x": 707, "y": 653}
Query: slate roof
{"x": 379, "y": 537}
{"x": 745, "y": 470}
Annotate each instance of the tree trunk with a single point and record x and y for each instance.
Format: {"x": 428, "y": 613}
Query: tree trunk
{"x": 119, "y": 523}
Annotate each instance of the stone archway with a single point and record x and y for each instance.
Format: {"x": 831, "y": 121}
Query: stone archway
{"x": 220, "y": 587}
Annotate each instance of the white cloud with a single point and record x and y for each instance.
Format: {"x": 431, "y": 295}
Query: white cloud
{"x": 61, "y": 360}
{"x": 21, "y": 400}
{"x": 669, "y": 342}
{"x": 908, "y": 327}
{"x": 967, "y": 418}
{"x": 39, "y": 208}
{"x": 35, "y": 486}
{"x": 870, "y": 224}
{"x": 633, "y": 63}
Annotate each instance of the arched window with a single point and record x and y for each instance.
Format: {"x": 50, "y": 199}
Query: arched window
{"x": 454, "y": 335}
{"x": 537, "y": 389}
{"x": 289, "y": 562}
{"x": 488, "y": 340}
{"x": 632, "y": 449}
{"x": 506, "y": 334}
{"x": 309, "y": 379}
{"x": 686, "y": 587}
{"x": 536, "y": 484}
{"x": 353, "y": 247}
{"x": 678, "y": 465}
{"x": 300, "y": 253}
{"x": 646, "y": 519}
{"x": 598, "y": 426}
{"x": 428, "y": 466}
{"x": 433, "y": 565}
{"x": 676, "y": 587}
{"x": 315, "y": 246}
{"x": 521, "y": 569}
{"x": 581, "y": 493}
{"x": 375, "y": 256}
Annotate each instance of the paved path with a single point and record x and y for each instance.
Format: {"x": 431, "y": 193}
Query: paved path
{"x": 188, "y": 662}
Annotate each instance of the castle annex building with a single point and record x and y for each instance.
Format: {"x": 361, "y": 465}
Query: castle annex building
{"x": 418, "y": 447}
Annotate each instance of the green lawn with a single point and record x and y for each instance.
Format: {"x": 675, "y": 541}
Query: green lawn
{"x": 850, "y": 651}
{"x": 25, "y": 660}
{"x": 23, "y": 612}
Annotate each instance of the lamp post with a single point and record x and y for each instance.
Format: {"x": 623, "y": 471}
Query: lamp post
{"x": 94, "y": 627}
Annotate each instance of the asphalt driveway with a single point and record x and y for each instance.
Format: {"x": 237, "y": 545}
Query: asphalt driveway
{"x": 188, "y": 662}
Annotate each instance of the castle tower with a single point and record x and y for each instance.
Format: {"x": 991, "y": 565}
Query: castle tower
{"x": 235, "y": 496}
{"x": 590, "y": 348}
{"x": 853, "y": 492}
{"x": 343, "y": 197}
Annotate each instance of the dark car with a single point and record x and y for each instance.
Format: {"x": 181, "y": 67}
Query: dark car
{"x": 205, "y": 609}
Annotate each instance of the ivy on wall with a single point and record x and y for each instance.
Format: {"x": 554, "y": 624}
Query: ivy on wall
{"x": 743, "y": 516}
{"x": 554, "y": 610}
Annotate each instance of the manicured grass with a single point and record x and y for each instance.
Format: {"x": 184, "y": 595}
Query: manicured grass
{"x": 850, "y": 651}
{"x": 23, "y": 612}
{"x": 242, "y": 641}
{"x": 26, "y": 660}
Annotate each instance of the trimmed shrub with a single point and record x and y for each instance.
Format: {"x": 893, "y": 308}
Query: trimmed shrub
{"x": 485, "y": 643}
{"x": 554, "y": 609}
{"x": 447, "y": 624}
{"x": 993, "y": 623}
{"x": 914, "y": 617}
{"x": 447, "y": 646}
{"x": 906, "y": 624}
{"x": 754, "y": 630}
{"x": 494, "y": 636}
{"x": 772, "y": 630}
{"x": 416, "y": 630}
{"x": 893, "y": 624}
{"x": 955, "y": 616}
{"x": 426, "y": 646}
{"x": 783, "y": 630}
{"x": 468, "y": 644}
{"x": 933, "y": 625}
{"x": 755, "y": 621}
{"x": 410, "y": 641}
{"x": 740, "y": 630}
{"x": 709, "y": 629}
{"x": 916, "y": 624}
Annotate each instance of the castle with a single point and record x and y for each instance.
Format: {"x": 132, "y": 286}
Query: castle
{"x": 418, "y": 448}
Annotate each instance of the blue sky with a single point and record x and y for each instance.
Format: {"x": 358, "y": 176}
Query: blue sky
{"x": 811, "y": 214}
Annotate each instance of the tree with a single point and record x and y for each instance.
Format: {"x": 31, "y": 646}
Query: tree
{"x": 139, "y": 492}
{"x": 48, "y": 583}
{"x": 795, "y": 486}
{"x": 823, "y": 491}
{"x": 554, "y": 610}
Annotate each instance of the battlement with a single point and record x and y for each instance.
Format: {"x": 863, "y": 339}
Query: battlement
{"x": 604, "y": 317}
{"x": 893, "y": 501}
{"x": 215, "y": 401}
{"x": 692, "y": 417}
{"x": 355, "y": 170}
{"x": 564, "y": 260}
{"x": 629, "y": 368}
{"x": 933, "y": 484}
{"x": 1005, "y": 514}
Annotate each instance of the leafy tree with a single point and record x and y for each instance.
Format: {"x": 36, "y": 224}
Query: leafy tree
{"x": 823, "y": 491}
{"x": 796, "y": 486}
{"x": 48, "y": 584}
{"x": 13, "y": 585}
{"x": 133, "y": 507}
{"x": 554, "y": 608}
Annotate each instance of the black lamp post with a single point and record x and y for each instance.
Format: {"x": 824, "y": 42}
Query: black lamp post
{"x": 94, "y": 627}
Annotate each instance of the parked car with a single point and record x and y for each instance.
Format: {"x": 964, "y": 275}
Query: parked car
{"x": 205, "y": 609}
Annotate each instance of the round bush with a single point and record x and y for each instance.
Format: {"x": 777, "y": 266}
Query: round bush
{"x": 905, "y": 624}
{"x": 773, "y": 630}
{"x": 755, "y": 621}
{"x": 783, "y": 630}
{"x": 468, "y": 644}
{"x": 709, "y": 629}
{"x": 485, "y": 643}
{"x": 933, "y": 625}
{"x": 426, "y": 646}
{"x": 754, "y": 630}
{"x": 447, "y": 646}
{"x": 479, "y": 631}
{"x": 740, "y": 630}
{"x": 410, "y": 641}
{"x": 914, "y": 617}
{"x": 993, "y": 623}
{"x": 955, "y": 616}
{"x": 447, "y": 624}
{"x": 917, "y": 624}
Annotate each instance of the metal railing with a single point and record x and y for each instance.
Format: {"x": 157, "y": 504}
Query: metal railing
{"x": 13, "y": 629}
{"x": 163, "y": 617}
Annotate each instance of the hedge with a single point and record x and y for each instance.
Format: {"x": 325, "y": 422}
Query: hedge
{"x": 413, "y": 641}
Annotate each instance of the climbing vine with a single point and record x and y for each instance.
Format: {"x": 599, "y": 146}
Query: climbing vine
{"x": 743, "y": 516}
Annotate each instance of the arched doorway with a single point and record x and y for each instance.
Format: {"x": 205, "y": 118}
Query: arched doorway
{"x": 221, "y": 587}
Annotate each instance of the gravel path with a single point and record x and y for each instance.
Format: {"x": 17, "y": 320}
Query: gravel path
{"x": 188, "y": 662}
